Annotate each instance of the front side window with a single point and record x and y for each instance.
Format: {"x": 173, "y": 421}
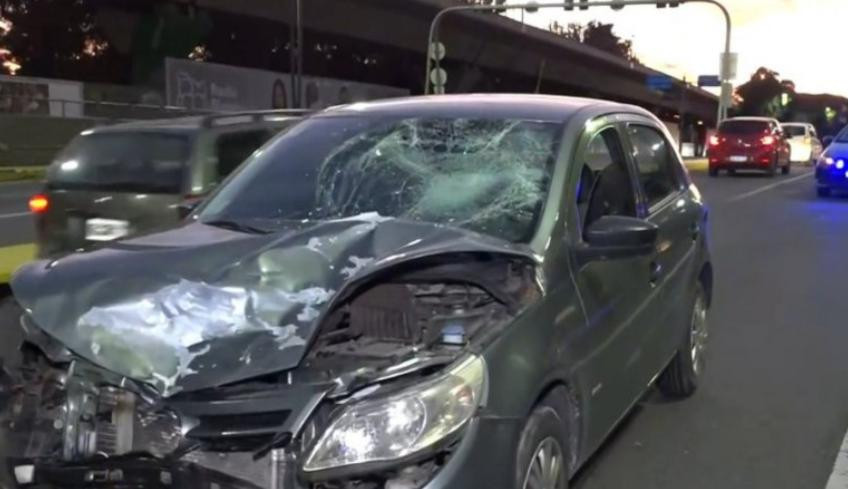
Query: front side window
{"x": 655, "y": 162}
{"x": 605, "y": 187}
{"x": 487, "y": 175}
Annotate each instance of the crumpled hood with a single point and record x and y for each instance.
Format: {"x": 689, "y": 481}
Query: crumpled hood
{"x": 197, "y": 306}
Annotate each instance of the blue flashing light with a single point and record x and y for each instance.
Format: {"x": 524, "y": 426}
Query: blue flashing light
{"x": 840, "y": 164}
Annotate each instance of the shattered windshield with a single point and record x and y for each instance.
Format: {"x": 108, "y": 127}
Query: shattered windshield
{"x": 486, "y": 175}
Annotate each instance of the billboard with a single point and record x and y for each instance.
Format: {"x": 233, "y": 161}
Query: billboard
{"x": 210, "y": 86}
{"x": 40, "y": 96}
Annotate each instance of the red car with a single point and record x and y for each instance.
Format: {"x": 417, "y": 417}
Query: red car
{"x": 749, "y": 143}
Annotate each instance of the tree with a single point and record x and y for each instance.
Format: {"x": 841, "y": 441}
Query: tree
{"x": 597, "y": 35}
{"x": 765, "y": 94}
{"x": 56, "y": 37}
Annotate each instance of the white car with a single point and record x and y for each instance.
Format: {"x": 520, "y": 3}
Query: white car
{"x": 803, "y": 141}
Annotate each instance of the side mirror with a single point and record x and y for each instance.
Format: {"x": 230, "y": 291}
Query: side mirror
{"x": 827, "y": 140}
{"x": 188, "y": 206}
{"x": 618, "y": 237}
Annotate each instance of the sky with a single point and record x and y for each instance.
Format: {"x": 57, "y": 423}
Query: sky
{"x": 800, "y": 39}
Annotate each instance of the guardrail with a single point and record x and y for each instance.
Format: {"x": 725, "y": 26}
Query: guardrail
{"x": 97, "y": 109}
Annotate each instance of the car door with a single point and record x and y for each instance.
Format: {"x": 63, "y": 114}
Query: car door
{"x": 613, "y": 291}
{"x": 663, "y": 188}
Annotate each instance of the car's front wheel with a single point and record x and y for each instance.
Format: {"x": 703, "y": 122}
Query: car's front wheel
{"x": 541, "y": 460}
{"x": 680, "y": 378}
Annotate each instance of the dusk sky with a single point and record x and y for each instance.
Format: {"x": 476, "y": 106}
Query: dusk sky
{"x": 797, "y": 38}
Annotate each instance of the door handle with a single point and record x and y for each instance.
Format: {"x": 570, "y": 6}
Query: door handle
{"x": 655, "y": 273}
{"x": 695, "y": 230}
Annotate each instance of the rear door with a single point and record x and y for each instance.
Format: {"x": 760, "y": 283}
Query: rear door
{"x": 105, "y": 186}
{"x": 662, "y": 187}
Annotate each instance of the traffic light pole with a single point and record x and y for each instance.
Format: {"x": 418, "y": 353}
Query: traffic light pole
{"x": 533, "y": 6}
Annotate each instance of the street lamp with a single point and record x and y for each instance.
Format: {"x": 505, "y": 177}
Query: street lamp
{"x": 569, "y": 5}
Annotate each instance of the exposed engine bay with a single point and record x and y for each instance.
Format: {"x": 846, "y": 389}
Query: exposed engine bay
{"x": 401, "y": 331}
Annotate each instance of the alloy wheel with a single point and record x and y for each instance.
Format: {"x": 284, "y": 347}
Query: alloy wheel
{"x": 699, "y": 334}
{"x": 546, "y": 470}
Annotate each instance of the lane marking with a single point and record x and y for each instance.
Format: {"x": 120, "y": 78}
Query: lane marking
{"x": 773, "y": 186}
{"x": 839, "y": 477}
{"x": 14, "y": 215}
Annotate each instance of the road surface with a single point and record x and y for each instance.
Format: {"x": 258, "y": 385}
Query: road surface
{"x": 15, "y": 222}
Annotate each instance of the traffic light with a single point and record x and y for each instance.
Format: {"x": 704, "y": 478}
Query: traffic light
{"x": 668, "y": 4}
{"x": 619, "y": 5}
{"x": 569, "y": 5}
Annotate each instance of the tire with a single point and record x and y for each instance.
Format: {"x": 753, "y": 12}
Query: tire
{"x": 785, "y": 170}
{"x": 545, "y": 431}
{"x": 772, "y": 171}
{"x": 713, "y": 172}
{"x": 681, "y": 377}
{"x": 823, "y": 191}
{"x": 731, "y": 172}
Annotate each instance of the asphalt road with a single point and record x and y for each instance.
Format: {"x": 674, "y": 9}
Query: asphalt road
{"x": 773, "y": 408}
{"x": 15, "y": 222}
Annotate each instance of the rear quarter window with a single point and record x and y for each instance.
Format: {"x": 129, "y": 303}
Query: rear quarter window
{"x": 741, "y": 128}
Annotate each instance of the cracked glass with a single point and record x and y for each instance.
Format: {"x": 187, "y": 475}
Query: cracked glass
{"x": 486, "y": 175}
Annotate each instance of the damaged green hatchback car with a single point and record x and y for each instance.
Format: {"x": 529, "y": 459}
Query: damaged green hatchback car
{"x": 446, "y": 292}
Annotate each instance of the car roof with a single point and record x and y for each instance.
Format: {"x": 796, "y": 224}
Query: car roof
{"x": 752, "y": 119}
{"x": 801, "y": 124}
{"x": 547, "y": 107}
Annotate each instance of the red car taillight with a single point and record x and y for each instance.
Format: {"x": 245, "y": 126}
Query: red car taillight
{"x": 38, "y": 203}
{"x": 715, "y": 141}
{"x": 767, "y": 140}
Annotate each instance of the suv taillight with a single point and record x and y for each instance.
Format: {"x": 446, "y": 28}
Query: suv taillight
{"x": 767, "y": 140}
{"x": 714, "y": 140}
{"x": 38, "y": 203}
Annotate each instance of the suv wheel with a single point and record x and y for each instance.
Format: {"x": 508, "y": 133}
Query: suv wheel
{"x": 680, "y": 378}
{"x": 786, "y": 168}
{"x": 542, "y": 461}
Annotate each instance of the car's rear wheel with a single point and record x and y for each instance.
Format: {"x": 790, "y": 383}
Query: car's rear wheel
{"x": 823, "y": 191}
{"x": 680, "y": 378}
{"x": 542, "y": 461}
{"x": 731, "y": 172}
{"x": 713, "y": 172}
{"x": 786, "y": 168}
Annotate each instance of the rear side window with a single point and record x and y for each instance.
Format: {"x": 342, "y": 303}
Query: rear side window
{"x": 742, "y": 128}
{"x": 655, "y": 162}
{"x": 794, "y": 131}
{"x": 233, "y": 148}
{"x": 144, "y": 162}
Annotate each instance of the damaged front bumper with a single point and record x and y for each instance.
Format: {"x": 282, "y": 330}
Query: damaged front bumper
{"x": 251, "y": 436}
{"x": 483, "y": 457}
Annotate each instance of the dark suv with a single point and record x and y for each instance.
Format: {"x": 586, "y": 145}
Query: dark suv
{"x": 114, "y": 181}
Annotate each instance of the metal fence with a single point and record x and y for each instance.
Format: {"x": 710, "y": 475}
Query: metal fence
{"x": 90, "y": 109}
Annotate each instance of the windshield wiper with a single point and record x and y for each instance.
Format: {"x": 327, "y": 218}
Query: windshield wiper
{"x": 236, "y": 226}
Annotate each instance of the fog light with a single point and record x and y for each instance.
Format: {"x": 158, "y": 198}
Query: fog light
{"x": 24, "y": 474}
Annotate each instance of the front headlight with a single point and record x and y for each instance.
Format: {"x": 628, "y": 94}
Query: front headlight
{"x": 401, "y": 424}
